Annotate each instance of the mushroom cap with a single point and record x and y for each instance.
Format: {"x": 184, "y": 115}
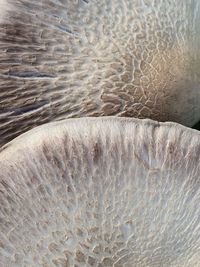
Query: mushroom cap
{"x": 101, "y": 192}
{"x": 68, "y": 58}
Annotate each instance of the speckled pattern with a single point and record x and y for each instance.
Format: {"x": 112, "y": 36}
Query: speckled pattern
{"x": 73, "y": 58}
{"x": 101, "y": 192}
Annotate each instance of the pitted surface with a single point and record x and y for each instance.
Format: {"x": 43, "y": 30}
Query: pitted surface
{"x": 66, "y": 58}
{"x": 101, "y": 192}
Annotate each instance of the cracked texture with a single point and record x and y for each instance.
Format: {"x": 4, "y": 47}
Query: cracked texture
{"x": 101, "y": 192}
{"x": 67, "y": 58}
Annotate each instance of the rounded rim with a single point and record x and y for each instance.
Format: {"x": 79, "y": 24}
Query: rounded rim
{"x": 101, "y": 192}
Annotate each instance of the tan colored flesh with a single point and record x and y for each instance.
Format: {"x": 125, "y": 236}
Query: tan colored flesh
{"x": 68, "y": 58}
{"x": 101, "y": 192}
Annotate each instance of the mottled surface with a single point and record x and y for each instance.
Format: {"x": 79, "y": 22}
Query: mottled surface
{"x": 67, "y": 58}
{"x": 101, "y": 192}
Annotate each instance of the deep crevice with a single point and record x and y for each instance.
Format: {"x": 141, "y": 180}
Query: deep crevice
{"x": 27, "y": 108}
{"x": 28, "y": 74}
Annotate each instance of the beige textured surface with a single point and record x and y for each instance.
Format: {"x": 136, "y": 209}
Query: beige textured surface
{"x": 101, "y": 192}
{"x": 4, "y": 7}
{"x": 67, "y": 58}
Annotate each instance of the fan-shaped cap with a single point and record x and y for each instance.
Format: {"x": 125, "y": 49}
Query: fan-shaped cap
{"x": 64, "y": 58}
{"x": 101, "y": 192}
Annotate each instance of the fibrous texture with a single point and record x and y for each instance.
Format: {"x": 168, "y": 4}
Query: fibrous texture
{"x": 72, "y": 58}
{"x": 101, "y": 192}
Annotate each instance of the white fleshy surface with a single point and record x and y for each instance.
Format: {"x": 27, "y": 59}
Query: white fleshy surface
{"x": 101, "y": 192}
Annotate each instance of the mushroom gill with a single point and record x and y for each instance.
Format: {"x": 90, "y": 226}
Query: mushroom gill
{"x": 101, "y": 192}
{"x": 64, "y": 58}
